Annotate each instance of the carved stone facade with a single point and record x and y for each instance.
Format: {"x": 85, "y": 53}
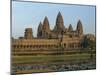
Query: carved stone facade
{"x": 50, "y": 39}
{"x": 44, "y": 30}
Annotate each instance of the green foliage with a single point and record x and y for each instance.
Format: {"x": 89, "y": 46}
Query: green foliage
{"x": 91, "y": 44}
{"x": 87, "y": 43}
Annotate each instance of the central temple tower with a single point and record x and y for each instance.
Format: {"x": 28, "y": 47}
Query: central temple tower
{"x": 59, "y": 27}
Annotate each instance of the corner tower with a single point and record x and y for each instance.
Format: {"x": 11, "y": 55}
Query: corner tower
{"x": 39, "y": 31}
{"x": 79, "y": 28}
{"x": 46, "y": 26}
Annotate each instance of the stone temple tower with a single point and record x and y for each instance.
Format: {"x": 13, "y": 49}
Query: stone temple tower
{"x": 79, "y": 28}
{"x": 28, "y": 33}
{"x": 39, "y": 31}
{"x": 45, "y": 28}
{"x": 70, "y": 28}
{"x": 59, "y": 27}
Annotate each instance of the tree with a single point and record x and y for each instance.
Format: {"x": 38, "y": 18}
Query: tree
{"x": 88, "y": 43}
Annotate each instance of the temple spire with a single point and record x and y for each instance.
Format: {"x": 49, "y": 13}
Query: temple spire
{"x": 70, "y": 28}
{"x": 59, "y": 23}
{"x": 79, "y": 28}
{"x": 39, "y": 31}
{"x": 46, "y": 26}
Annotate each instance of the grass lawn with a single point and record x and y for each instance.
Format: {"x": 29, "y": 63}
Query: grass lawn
{"x": 47, "y": 58}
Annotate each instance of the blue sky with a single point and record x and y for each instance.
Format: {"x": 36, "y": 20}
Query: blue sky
{"x": 29, "y": 14}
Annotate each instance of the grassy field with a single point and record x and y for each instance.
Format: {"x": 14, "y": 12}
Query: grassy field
{"x": 47, "y": 58}
{"x": 68, "y": 58}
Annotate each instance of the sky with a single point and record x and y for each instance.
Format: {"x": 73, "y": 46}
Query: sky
{"x": 30, "y": 14}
